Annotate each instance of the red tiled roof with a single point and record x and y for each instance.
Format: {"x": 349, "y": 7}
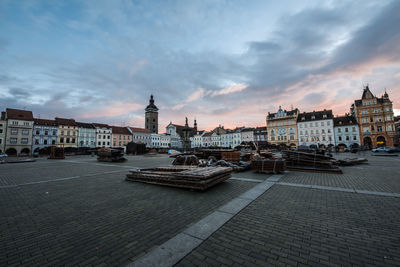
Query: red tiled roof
{"x": 44, "y": 122}
{"x": 19, "y": 114}
{"x": 120, "y": 130}
{"x": 140, "y": 130}
{"x": 208, "y": 134}
{"x": 69, "y": 122}
{"x": 101, "y": 125}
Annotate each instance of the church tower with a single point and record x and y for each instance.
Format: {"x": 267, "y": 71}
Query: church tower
{"x": 151, "y": 116}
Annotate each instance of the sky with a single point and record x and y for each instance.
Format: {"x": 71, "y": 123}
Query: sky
{"x": 222, "y": 62}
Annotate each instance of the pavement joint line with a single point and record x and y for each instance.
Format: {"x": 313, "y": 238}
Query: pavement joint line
{"x": 98, "y": 164}
{"x": 58, "y": 179}
{"x": 246, "y": 179}
{"x": 341, "y": 189}
{"x": 176, "y": 248}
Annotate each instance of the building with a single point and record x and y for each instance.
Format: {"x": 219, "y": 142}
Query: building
{"x": 247, "y": 135}
{"x": 376, "y": 120}
{"x": 165, "y": 140}
{"x": 315, "y": 128}
{"x": 197, "y": 139}
{"x": 121, "y": 136}
{"x": 19, "y": 124}
{"x": 86, "y": 135}
{"x": 103, "y": 135}
{"x": 3, "y": 129}
{"x": 140, "y": 135}
{"x": 155, "y": 140}
{"x": 67, "y": 135}
{"x": 176, "y": 133}
{"x": 282, "y": 128}
{"x": 151, "y": 116}
{"x": 227, "y": 139}
{"x": 261, "y": 135}
{"x": 216, "y": 139}
{"x": 44, "y": 134}
{"x": 346, "y": 131}
{"x": 397, "y": 130}
{"x": 207, "y": 139}
{"x": 236, "y": 137}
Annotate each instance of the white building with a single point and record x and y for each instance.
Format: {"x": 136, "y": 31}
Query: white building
{"x": 346, "y": 131}
{"x": 165, "y": 141}
{"x": 315, "y": 128}
{"x": 141, "y": 135}
{"x": 176, "y": 139}
{"x": 197, "y": 139}
{"x": 155, "y": 140}
{"x": 103, "y": 135}
{"x": 247, "y": 135}
{"x": 86, "y": 135}
{"x": 206, "y": 139}
{"x": 215, "y": 139}
{"x": 236, "y": 137}
{"x": 227, "y": 139}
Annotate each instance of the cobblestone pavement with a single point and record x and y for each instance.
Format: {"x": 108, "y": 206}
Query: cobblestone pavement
{"x": 293, "y": 226}
{"x": 97, "y": 218}
{"x": 380, "y": 174}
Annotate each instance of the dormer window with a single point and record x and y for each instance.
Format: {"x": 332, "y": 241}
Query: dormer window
{"x": 303, "y": 118}
{"x": 313, "y": 117}
{"x": 324, "y": 116}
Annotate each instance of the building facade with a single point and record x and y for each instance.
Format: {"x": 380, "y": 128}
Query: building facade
{"x": 86, "y": 135}
{"x": 227, "y": 139}
{"x": 346, "y": 131}
{"x": 44, "y": 134}
{"x": 316, "y": 128}
{"x": 121, "y": 136}
{"x": 172, "y": 131}
{"x": 3, "y": 129}
{"x": 236, "y": 137}
{"x": 215, "y": 139}
{"x": 260, "y": 135}
{"x": 67, "y": 132}
{"x": 247, "y": 135}
{"x": 206, "y": 140}
{"x": 165, "y": 141}
{"x": 376, "y": 119}
{"x": 103, "y": 135}
{"x": 197, "y": 139}
{"x": 140, "y": 135}
{"x": 155, "y": 140}
{"x": 282, "y": 127}
{"x": 19, "y": 131}
{"x": 151, "y": 116}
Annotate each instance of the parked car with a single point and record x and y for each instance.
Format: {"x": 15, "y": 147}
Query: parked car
{"x": 381, "y": 149}
{"x": 3, "y": 155}
{"x": 394, "y": 150}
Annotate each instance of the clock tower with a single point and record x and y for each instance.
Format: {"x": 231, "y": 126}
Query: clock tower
{"x": 151, "y": 116}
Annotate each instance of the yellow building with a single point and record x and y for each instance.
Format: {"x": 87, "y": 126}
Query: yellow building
{"x": 282, "y": 127}
{"x": 67, "y": 132}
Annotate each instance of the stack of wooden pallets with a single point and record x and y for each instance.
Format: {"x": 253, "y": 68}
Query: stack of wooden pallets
{"x": 310, "y": 162}
{"x": 268, "y": 165}
{"x": 191, "y": 177}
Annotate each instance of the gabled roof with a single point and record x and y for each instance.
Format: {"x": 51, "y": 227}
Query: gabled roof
{"x": 139, "y": 130}
{"x": 101, "y": 125}
{"x": 315, "y": 115}
{"x": 344, "y": 120}
{"x": 85, "y": 125}
{"x": 120, "y": 130}
{"x": 69, "y": 122}
{"x": 18, "y": 114}
{"x": 208, "y": 134}
{"x": 44, "y": 122}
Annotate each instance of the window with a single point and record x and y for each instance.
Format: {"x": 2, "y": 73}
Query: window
{"x": 354, "y": 137}
{"x": 316, "y": 124}
{"x": 353, "y": 129}
{"x": 14, "y": 131}
{"x": 37, "y": 132}
{"x": 340, "y": 138}
{"x": 45, "y": 141}
{"x": 25, "y": 132}
{"x": 328, "y": 123}
{"x": 67, "y": 140}
{"x": 347, "y": 138}
{"x": 62, "y": 140}
{"x": 73, "y": 140}
{"x": 24, "y": 140}
{"x": 13, "y": 140}
{"x": 46, "y": 132}
{"x": 14, "y": 122}
{"x": 36, "y": 141}
{"x": 322, "y": 123}
{"x": 379, "y": 129}
{"x": 346, "y": 130}
{"x": 99, "y": 143}
{"x": 54, "y": 132}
